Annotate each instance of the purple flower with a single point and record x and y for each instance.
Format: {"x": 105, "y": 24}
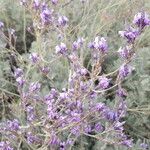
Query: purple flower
{"x": 124, "y": 71}
{"x": 82, "y": 71}
{"x": 36, "y": 4}
{"x": 13, "y": 125}
{"x": 121, "y": 92}
{"x": 91, "y": 45}
{"x": 30, "y": 113}
{"x": 20, "y": 81}
{"x": 127, "y": 142}
{"x": 62, "y": 49}
{"x": 46, "y": 16}
{"x": 5, "y": 145}
{"x": 63, "y": 96}
{"x": 76, "y": 130}
{"x": 144, "y": 146}
{"x": 141, "y": 19}
{"x": 130, "y": 34}
{"x": 111, "y": 115}
{"x": 54, "y": 2}
{"x": 119, "y": 126}
{"x": 54, "y": 139}
{"x": 1, "y": 25}
{"x": 34, "y": 57}
{"x": 100, "y": 107}
{"x": 98, "y": 127}
{"x": 103, "y": 82}
{"x": 34, "y": 87}
{"x": 62, "y": 20}
{"x": 45, "y": 70}
{"x": 18, "y": 72}
{"x": 87, "y": 128}
{"x": 31, "y": 138}
{"x": 100, "y": 44}
{"x": 77, "y": 44}
{"x": 125, "y": 52}
{"x": 122, "y": 108}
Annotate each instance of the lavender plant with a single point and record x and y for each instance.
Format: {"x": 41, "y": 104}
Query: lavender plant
{"x": 60, "y": 118}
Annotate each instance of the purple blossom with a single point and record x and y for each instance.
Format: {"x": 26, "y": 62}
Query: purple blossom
{"x": 46, "y": 16}
{"x": 63, "y": 96}
{"x": 124, "y": 71}
{"x": 91, "y": 45}
{"x": 77, "y": 44}
{"x": 111, "y": 115}
{"x": 82, "y": 71}
{"x": 127, "y": 142}
{"x": 20, "y": 81}
{"x": 5, "y": 145}
{"x": 122, "y": 108}
{"x": 54, "y": 139}
{"x": 30, "y": 113}
{"x": 125, "y": 52}
{"x": 76, "y": 130}
{"x": 144, "y": 146}
{"x": 98, "y": 127}
{"x": 34, "y": 57}
{"x": 45, "y": 70}
{"x": 34, "y": 87}
{"x": 1, "y": 25}
{"x": 121, "y": 92}
{"x": 62, "y": 49}
{"x": 103, "y": 82}
{"x": 18, "y": 72}
{"x": 62, "y": 21}
{"x": 31, "y": 138}
{"x": 87, "y": 128}
{"x": 100, "y": 44}
{"x": 54, "y": 2}
{"x": 100, "y": 107}
{"x": 130, "y": 34}
{"x": 13, "y": 125}
{"x": 141, "y": 19}
{"x": 119, "y": 126}
{"x": 36, "y": 4}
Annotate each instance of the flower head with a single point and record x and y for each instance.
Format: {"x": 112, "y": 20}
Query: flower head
{"x": 130, "y": 34}
{"x": 62, "y": 20}
{"x": 18, "y": 72}
{"x": 141, "y": 19}
{"x": 36, "y": 4}
{"x": 1, "y": 25}
{"x": 46, "y": 16}
{"x": 34, "y": 87}
{"x": 5, "y": 145}
{"x": 34, "y": 57}
{"x": 124, "y": 71}
{"x": 13, "y": 125}
{"x": 125, "y": 52}
{"x": 103, "y": 82}
{"x": 20, "y": 81}
{"x": 54, "y": 2}
{"x": 62, "y": 49}
{"x": 100, "y": 44}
